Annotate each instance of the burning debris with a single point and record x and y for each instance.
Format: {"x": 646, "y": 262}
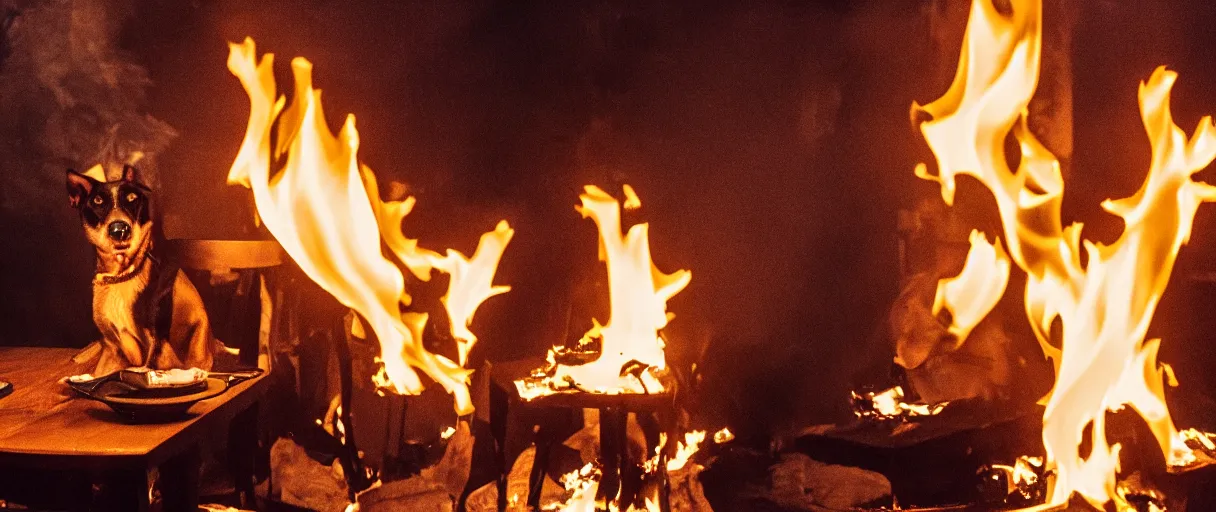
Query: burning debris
{"x": 723, "y": 436}
{"x": 625, "y": 355}
{"x": 324, "y": 208}
{"x": 889, "y": 405}
{"x": 582, "y": 485}
{"x": 1102, "y": 360}
{"x": 1025, "y": 482}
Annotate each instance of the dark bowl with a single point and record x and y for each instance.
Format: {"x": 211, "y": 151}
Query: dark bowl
{"x": 156, "y": 409}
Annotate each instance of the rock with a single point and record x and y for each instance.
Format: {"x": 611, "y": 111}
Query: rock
{"x": 484, "y": 499}
{"x": 802, "y": 483}
{"x": 686, "y": 492}
{"x": 517, "y": 479}
{"x": 304, "y": 482}
{"x": 452, "y": 471}
{"x": 414, "y": 494}
{"x": 436, "y": 488}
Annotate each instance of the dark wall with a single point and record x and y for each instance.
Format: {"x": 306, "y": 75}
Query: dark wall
{"x": 769, "y": 142}
{"x": 749, "y": 132}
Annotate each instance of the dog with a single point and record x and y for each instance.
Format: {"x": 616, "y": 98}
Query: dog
{"x": 148, "y": 312}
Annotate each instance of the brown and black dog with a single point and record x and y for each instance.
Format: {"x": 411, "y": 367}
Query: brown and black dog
{"x": 148, "y": 312}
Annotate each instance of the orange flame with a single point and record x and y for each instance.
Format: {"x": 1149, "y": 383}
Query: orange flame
{"x": 1103, "y": 362}
{"x": 971, "y": 294}
{"x": 324, "y": 209}
{"x": 638, "y": 295}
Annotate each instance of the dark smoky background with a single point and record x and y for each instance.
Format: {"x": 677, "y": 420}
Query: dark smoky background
{"x": 770, "y": 143}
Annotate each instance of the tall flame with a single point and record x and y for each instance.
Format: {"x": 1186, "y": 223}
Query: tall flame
{"x": 1103, "y": 362}
{"x": 324, "y": 209}
{"x": 638, "y": 294}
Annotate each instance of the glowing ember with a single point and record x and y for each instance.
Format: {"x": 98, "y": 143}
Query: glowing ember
{"x": 582, "y": 484}
{"x": 1102, "y": 362}
{"x": 1023, "y": 475}
{"x": 630, "y": 358}
{"x": 723, "y": 436}
{"x": 324, "y": 209}
{"x": 890, "y": 404}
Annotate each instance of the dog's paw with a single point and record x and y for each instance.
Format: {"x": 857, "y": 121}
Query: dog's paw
{"x": 84, "y": 377}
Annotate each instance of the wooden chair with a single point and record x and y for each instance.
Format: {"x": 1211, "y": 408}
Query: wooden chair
{"x": 236, "y": 279}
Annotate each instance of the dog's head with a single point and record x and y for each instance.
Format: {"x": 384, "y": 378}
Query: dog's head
{"x": 116, "y": 215}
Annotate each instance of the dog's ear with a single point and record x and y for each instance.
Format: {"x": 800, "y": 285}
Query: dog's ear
{"x": 79, "y": 187}
{"x": 130, "y": 174}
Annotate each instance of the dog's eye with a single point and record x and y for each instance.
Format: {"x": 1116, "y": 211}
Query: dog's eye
{"x": 97, "y": 200}
{"x": 131, "y": 197}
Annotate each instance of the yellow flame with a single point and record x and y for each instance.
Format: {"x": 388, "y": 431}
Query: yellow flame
{"x": 582, "y": 484}
{"x": 686, "y": 449}
{"x": 971, "y": 294}
{"x": 325, "y": 210}
{"x": 472, "y": 283}
{"x": 638, "y": 294}
{"x": 1103, "y": 362}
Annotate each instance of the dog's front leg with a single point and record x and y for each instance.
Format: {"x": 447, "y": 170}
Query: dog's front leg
{"x": 109, "y": 362}
{"x": 88, "y": 353}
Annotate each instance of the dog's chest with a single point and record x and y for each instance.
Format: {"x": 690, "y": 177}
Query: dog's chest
{"x": 113, "y": 306}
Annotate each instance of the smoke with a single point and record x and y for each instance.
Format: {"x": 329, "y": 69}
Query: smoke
{"x": 69, "y": 97}
{"x": 72, "y": 95}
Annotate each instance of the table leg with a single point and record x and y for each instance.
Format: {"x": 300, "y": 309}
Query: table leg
{"x": 179, "y": 480}
{"x": 540, "y": 461}
{"x": 613, "y": 425}
{"x": 242, "y": 454}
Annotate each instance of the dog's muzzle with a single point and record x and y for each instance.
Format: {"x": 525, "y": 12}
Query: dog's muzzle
{"x": 119, "y": 231}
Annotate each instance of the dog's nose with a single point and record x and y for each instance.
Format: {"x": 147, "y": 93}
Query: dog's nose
{"x": 119, "y": 231}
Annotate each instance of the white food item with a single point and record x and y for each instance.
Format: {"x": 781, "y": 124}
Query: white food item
{"x": 175, "y": 377}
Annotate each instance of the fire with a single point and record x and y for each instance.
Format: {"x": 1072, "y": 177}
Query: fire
{"x": 324, "y": 208}
{"x": 976, "y": 290}
{"x": 582, "y": 484}
{"x": 1103, "y": 362}
{"x": 631, "y": 355}
{"x": 723, "y": 436}
{"x": 890, "y": 404}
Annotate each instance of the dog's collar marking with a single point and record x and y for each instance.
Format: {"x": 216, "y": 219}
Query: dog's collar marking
{"x": 118, "y": 278}
{"x": 132, "y": 271}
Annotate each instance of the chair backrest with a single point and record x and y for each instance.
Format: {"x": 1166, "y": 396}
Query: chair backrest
{"x": 235, "y": 280}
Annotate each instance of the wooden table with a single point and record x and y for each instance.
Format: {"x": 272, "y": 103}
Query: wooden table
{"x": 44, "y": 425}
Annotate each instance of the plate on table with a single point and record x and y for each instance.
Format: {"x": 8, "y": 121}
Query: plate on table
{"x": 163, "y": 404}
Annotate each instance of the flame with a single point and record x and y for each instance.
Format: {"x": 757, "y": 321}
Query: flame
{"x": 638, "y": 295}
{"x": 723, "y": 436}
{"x": 686, "y": 449}
{"x": 976, "y": 290}
{"x": 325, "y": 210}
{"x": 582, "y": 484}
{"x": 1103, "y": 362}
{"x": 472, "y": 283}
{"x": 1023, "y": 474}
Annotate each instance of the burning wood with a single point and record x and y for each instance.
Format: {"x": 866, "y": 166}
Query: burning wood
{"x": 890, "y": 404}
{"x": 1103, "y": 363}
{"x": 324, "y": 208}
{"x": 582, "y": 485}
{"x": 624, "y": 355}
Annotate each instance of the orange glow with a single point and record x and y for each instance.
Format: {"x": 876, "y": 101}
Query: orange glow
{"x": 638, "y": 294}
{"x": 324, "y": 208}
{"x": 1102, "y": 361}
